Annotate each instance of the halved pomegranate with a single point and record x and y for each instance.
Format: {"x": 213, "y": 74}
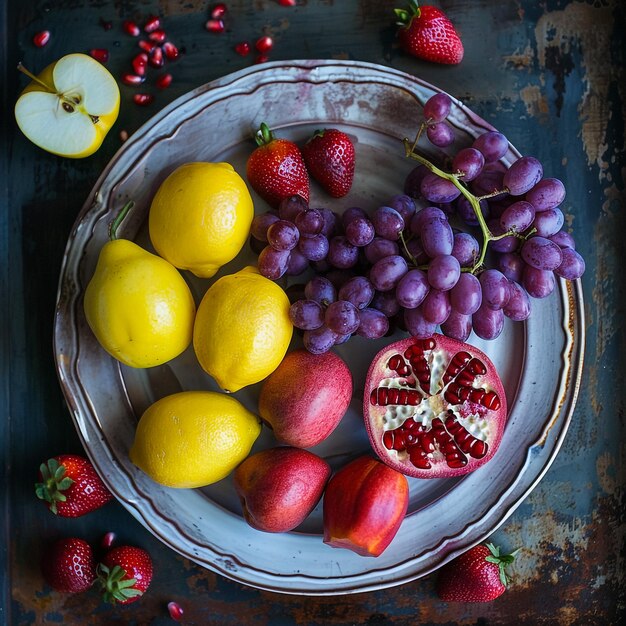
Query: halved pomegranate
{"x": 434, "y": 407}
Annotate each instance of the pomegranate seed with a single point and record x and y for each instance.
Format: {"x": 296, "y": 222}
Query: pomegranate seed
{"x": 109, "y": 538}
{"x": 100, "y": 54}
{"x": 132, "y": 79}
{"x": 42, "y": 38}
{"x": 146, "y": 46}
{"x": 106, "y": 24}
{"x": 287, "y": 3}
{"x": 262, "y": 58}
{"x": 242, "y": 48}
{"x": 158, "y": 36}
{"x": 264, "y": 44}
{"x": 130, "y": 28}
{"x": 218, "y": 11}
{"x": 152, "y": 24}
{"x": 139, "y": 64}
{"x": 156, "y": 57}
{"x": 143, "y": 99}
{"x": 163, "y": 82}
{"x": 215, "y": 26}
{"x": 170, "y": 50}
{"x": 175, "y": 610}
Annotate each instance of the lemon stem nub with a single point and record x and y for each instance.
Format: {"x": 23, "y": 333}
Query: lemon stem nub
{"x": 115, "y": 224}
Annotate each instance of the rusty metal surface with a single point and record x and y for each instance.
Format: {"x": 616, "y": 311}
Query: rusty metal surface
{"x": 550, "y": 75}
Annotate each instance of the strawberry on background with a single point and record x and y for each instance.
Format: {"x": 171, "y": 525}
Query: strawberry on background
{"x": 124, "y": 573}
{"x": 69, "y": 565}
{"x": 427, "y": 33}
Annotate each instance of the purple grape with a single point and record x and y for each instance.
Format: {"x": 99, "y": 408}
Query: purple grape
{"x": 488, "y": 323}
{"x": 469, "y": 162}
{"x": 541, "y": 253}
{"x": 306, "y": 314}
{"x": 466, "y": 296}
{"x": 436, "y": 306}
{"x": 548, "y": 193}
{"x": 260, "y": 224}
{"x": 291, "y": 206}
{"x": 309, "y": 222}
{"x": 273, "y": 263}
{"x": 386, "y": 302}
{"x": 342, "y": 317}
{"x": 437, "y": 237}
{"x": 422, "y": 216}
{"x": 341, "y": 253}
{"x": 380, "y": 248}
{"x": 298, "y": 263}
{"x": 538, "y": 283}
{"x": 320, "y": 340}
{"x": 342, "y": 339}
{"x": 495, "y": 287}
{"x": 405, "y": 205}
{"x": 373, "y": 325}
{"x": 572, "y": 266}
{"x": 488, "y": 182}
{"x": 313, "y": 247}
{"x": 437, "y": 107}
{"x": 416, "y": 254}
{"x": 331, "y": 221}
{"x": 466, "y": 211}
{"x": 563, "y": 239}
{"x": 417, "y": 325}
{"x": 549, "y": 222}
{"x": 440, "y": 134}
{"x": 465, "y": 249}
{"x": 321, "y": 290}
{"x": 518, "y": 216}
{"x": 511, "y": 265}
{"x": 412, "y": 289}
{"x": 283, "y": 235}
{"x": 350, "y": 214}
{"x": 506, "y": 244}
{"x": 457, "y": 326}
{"x": 413, "y": 181}
{"x": 357, "y": 290}
{"x": 523, "y": 175}
{"x": 437, "y": 189}
{"x": 444, "y": 272}
{"x": 518, "y": 306}
{"x": 492, "y": 144}
{"x": 388, "y": 223}
{"x": 360, "y": 231}
{"x": 386, "y": 273}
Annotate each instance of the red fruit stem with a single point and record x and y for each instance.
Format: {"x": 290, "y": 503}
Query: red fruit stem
{"x": 116, "y": 587}
{"x": 501, "y": 560}
{"x": 405, "y": 16}
{"x": 55, "y": 482}
{"x": 264, "y": 135}
{"x": 115, "y": 224}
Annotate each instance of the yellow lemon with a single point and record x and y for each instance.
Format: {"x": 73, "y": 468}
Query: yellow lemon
{"x": 193, "y": 438}
{"x": 242, "y": 329}
{"x": 200, "y": 217}
{"x": 138, "y": 305}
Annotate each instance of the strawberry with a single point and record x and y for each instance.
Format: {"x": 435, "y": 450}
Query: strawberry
{"x": 476, "y": 576}
{"x": 125, "y": 573}
{"x": 70, "y": 486}
{"x": 427, "y": 33}
{"x": 275, "y": 169}
{"x": 69, "y": 565}
{"x": 329, "y": 157}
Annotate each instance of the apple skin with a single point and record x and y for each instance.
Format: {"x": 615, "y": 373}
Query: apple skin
{"x": 304, "y": 399}
{"x": 278, "y": 488}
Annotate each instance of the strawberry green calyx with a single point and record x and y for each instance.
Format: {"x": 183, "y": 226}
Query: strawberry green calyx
{"x": 405, "y": 16}
{"x": 54, "y": 483}
{"x": 116, "y": 587}
{"x": 501, "y": 560}
{"x": 264, "y": 135}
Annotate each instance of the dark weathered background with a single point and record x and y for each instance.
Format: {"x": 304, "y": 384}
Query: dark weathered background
{"x": 550, "y": 75}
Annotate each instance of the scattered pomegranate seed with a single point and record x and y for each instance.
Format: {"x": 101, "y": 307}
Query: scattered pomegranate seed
{"x": 143, "y": 99}
{"x": 100, "y": 54}
{"x": 175, "y": 610}
{"x": 158, "y": 36}
{"x": 264, "y": 44}
{"x": 218, "y": 11}
{"x": 287, "y": 3}
{"x": 139, "y": 63}
{"x": 215, "y": 26}
{"x": 262, "y": 58}
{"x": 242, "y": 48}
{"x": 152, "y": 24}
{"x": 131, "y": 28}
{"x": 132, "y": 79}
{"x": 146, "y": 46}
{"x": 42, "y": 38}
{"x": 106, "y": 24}
{"x": 123, "y": 135}
{"x": 109, "y": 538}
{"x": 155, "y": 58}
{"x": 170, "y": 50}
{"x": 164, "y": 81}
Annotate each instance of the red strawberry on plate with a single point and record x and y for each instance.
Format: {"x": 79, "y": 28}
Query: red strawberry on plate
{"x": 427, "y": 33}
{"x": 275, "y": 169}
{"x": 70, "y": 486}
{"x": 476, "y": 576}
{"x": 329, "y": 157}
{"x": 69, "y": 566}
{"x": 125, "y": 573}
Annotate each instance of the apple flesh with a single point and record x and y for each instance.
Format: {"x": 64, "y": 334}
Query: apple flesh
{"x": 69, "y": 108}
{"x": 278, "y": 488}
{"x": 304, "y": 399}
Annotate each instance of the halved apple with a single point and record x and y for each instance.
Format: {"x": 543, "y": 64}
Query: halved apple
{"x": 69, "y": 108}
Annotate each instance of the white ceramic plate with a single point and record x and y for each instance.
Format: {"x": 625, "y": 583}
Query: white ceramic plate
{"x": 539, "y": 361}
